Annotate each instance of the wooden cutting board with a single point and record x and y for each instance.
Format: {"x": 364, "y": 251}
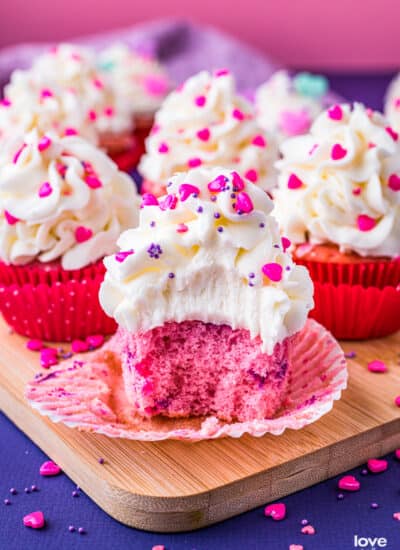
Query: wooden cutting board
{"x": 175, "y": 486}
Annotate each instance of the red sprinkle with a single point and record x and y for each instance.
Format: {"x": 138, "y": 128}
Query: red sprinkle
{"x": 200, "y": 101}
{"x": 186, "y": 189}
{"x": 394, "y": 135}
{"x": 148, "y": 199}
{"x": 377, "y": 366}
{"x": 216, "y": 185}
{"x": 308, "y": 530}
{"x": 46, "y": 93}
{"x": 79, "y": 346}
{"x": 273, "y": 271}
{"x": 349, "y": 483}
{"x": 163, "y": 148}
{"x": 18, "y": 153}
{"x": 182, "y": 228}
{"x": 365, "y": 223}
{"x": 237, "y": 113}
{"x": 93, "y": 181}
{"x": 285, "y": 243}
{"x": 48, "y": 357}
{"x": 120, "y": 257}
{"x": 45, "y": 190}
{"x": 294, "y": 182}
{"x": 397, "y": 454}
{"x": 237, "y": 181}
{"x": 70, "y": 132}
{"x": 169, "y": 203}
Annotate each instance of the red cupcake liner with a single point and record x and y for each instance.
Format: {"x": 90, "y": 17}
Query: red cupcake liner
{"x": 354, "y": 312}
{"x": 377, "y": 273}
{"x": 129, "y": 159}
{"x": 49, "y": 303}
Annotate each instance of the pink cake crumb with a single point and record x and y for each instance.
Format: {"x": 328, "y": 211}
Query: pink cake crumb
{"x": 195, "y": 369}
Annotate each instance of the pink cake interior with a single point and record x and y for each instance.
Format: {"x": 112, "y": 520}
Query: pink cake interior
{"x": 193, "y": 368}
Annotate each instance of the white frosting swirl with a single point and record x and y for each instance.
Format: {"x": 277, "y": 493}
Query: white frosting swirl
{"x": 61, "y": 198}
{"x": 206, "y": 121}
{"x": 139, "y": 82}
{"x": 62, "y": 92}
{"x": 199, "y": 254}
{"x": 341, "y": 183}
{"x": 282, "y": 110}
{"x": 392, "y": 103}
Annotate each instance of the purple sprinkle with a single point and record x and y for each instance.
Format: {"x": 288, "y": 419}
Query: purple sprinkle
{"x": 262, "y": 225}
{"x": 81, "y": 531}
{"x": 233, "y": 195}
{"x": 364, "y": 472}
{"x": 171, "y": 275}
{"x": 154, "y": 251}
{"x": 340, "y": 496}
{"x": 27, "y": 490}
{"x": 101, "y": 461}
{"x": 7, "y": 501}
{"x": 287, "y": 268}
{"x": 304, "y": 521}
{"x": 251, "y": 284}
{"x": 220, "y": 229}
{"x": 217, "y": 215}
{"x": 169, "y": 184}
{"x": 152, "y": 224}
{"x": 374, "y": 505}
{"x": 350, "y": 355}
{"x": 67, "y": 355}
{"x": 213, "y": 198}
{"x": 251, "y": 275}
{"x": 276, "y": 245}
{"x": 71, "y": 528}
{"x": 75, "y": 494}
{"x": 200, "y": 209}
{"x": 13, "y": 491}
{"x": 34, "y": 488}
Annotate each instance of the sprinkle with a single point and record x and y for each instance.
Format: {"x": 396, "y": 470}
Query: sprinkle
{"x": 220, "y": 229}
{"x": 75, "y": 494}
{"x": 97, "y": 83}
{"x": 377, "y": 366}
{"x": 310, "y": 85}
{"x": 365, "y": 223}
{"x": 18, "y": 153}
{"x": 46, "y": 92}
{"x": 92, "y": 115}
{"x": 285, "y": 243}
{"x": 27, "y": 490}
{"x": 273, "y": 271}
{"x": 200, "y": 100}
{"x": 108, "y": 111}
{"x": 357, "y": 191}
{"x": 294, "y": 123}
{"x": 276, "y": 511}
{"x": 296, "y": 547}
{"x": 101, "y": 461}
{"x": 34, "y": 345}
{"x": 204, "y": 134}
{"x": 35, "y": 520}
{"x": 186, "y": 189}
{"x": 182, "y": 228}
{"x": 261, "y": 225}
{"x": 304, "y": 521}
{"x": 194, "y": 162}
{"x": 376, "y": 466}
{"x": 44, "y": 143}
{"x": 34, "y": 488}
{"x": 308, "y": 530}
{"x": 238, "y": 183}
{"x": 79, "y": 346}
{"x": 169, "y": 203}
{"x": 221, "y": 72}
{"x": 350, "y": 355}
{"x": 148, "y": 199}
{"x": 93, "y": 181}
{"x": 152, "y": 223}
{"x": 163, "y": 148}
{"x": 397, "y": 401}
{"x": 11, "y": 220}
{"x": 394, "y": 182}
{"x": 95, "y": 340}
{"x": 217, "y": 215}
{"x": 338, "y": 152}
{"x": 81, "y": 531}
{"x": 252, "y": 275}
{"x": 294, "y": 182}
{"x": 13, "y": 491}
{"x": 217, "y": 185}
{"x": 49, "y": 469}
{"x": 394, "y": 135}
{"x": 243, "y": 203}
{"x": 171, "y": 275}
{"x": 71, "y": 528}
{"x": 259, "y": 141}
{"x": 70, "y": 132}
{"x": 61, "y": 169}
{"x": 252, "y": 175}
{"x": 123, "y": 254}
{"x": 374, "y": 505}
{"x": 83, "y": 234}
{"x": 335, "y": 112}
{"x": 48, "y": 357}
{"x": 396, "y": 516}
{"x": 349, "y": 483}
{"x": 7, "y": 501}
{"x": 237, "y": 113}
{"x": 5, "y": 102}
{"x": 45, "y": 190}
{"x": 154, "y": 251}
{"x": 200, "y": 209}
{"x": 340, "y": 496}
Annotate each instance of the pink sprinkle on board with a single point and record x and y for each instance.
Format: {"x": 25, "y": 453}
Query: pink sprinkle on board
{"x": 273, "y": 271}
{"x": 83, "y": 234}
{"x": 79, "y": 346}
{"x": 194, "y": 162}
{"x": 10, "y": 219}
{"x": 163, "y": 148}
{"x": 276, "y": 511}
{"x": 376, "y": 465}
{"x": 95, "y": 340}
{"x": 252, "y": 175}
{"x": 238, "y": 114}
{"x": 186, "y": 189}
{"x": 365, "y": 223}
{"x": 338, "y": 152}
{"x": 397, "y": 401}
{"x": 158, "y": 547}
{"x": 45, "y": 190}
{"x": 335, "y": 112}
{"x": 204, "y": 134}
{"x": 44, "y": 143}
{"x": 394, "y": 182}
{"x": 49, "y": 469}
{"x": 259, "y": 141}
{"x": 308, "y": 530}
{"x": 396, "y": 516}
{"x": 35, "y": 520}
{"x": 296, "y": 547}
{"x": 397, "y": 454}
{"x": 377, "y": 366}
{"x": 122, "y": 255}
{"x": 294, "y": 182}
{"x": 349, "y": 483}
{"x": 243, "y": 203}
{"x": 34, "y": 345}
{"x": 200, "y": 100}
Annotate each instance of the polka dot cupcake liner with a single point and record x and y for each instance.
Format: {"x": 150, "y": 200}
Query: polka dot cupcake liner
{"x": 46, "y": 302}
{"x": 89, "y": 394}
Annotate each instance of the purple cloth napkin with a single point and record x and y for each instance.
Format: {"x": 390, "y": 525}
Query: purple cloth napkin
{"x": 185, "y": 48}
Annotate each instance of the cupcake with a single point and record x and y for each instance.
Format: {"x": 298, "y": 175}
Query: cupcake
{"x": 338, "y": 201}
{"x": 206, "y": 123}
{"x": 64, "y": 92}
{"x": 207, "y": 300}
{"x": 392, "y": 104}
{"x": 63, "y": 204}
{"x": 287, "y": 106}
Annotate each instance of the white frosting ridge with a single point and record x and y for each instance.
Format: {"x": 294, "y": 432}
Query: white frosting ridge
{"x": 205, "y": 122}
{"x": 197, "y": 256}
{"x": 61, "y": 198}
{"x": 341, "y": 183}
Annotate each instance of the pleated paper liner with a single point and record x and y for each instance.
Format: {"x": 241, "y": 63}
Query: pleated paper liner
{"x": 89, "y": 394}
{"x": 353, "y": 312}
{"x": 50, "y": 303}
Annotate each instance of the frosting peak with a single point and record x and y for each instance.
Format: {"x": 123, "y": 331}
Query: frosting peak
{"x": 209, "y": 250}
{"x": 206, "y": 123}
{"x": 341, "y": 183}
{"x": 61, "y": 198}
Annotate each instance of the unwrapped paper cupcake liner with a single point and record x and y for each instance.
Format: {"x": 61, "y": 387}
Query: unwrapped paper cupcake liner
{"x": 90, "y": 395}
{"x": 50, "y": 303}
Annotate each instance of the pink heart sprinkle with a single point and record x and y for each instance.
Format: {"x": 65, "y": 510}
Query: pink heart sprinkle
{"x": 394, "y": 135}
{"x": 397, "y": 402}
{"x": 182, "y": 228}
{"x": 365, "y": 223}
{"x": 49, "y": 468}
{"x": 48, "y": 357}
{"x": 83, "y": 234}
{"x": 349, "y": 483}
{"x": 70, "y": 132}
{"x": 296, "y": 547}
{"x": 276, "y": 511}
{"x": 377, "y": 366}
{"x": 308, "y": 530}
{"x": 335, "y": 112}
{"x": 252, "y": 175}
{"x": 357, "y": 191}
{"x": 338, "y": 152}
{"x": 46, "y": 93}
{"x": 95, "y": 340}
{"x": 186, "y": 189}
{"x": 237, "y": 182}
{"x": 158, "y": 547}
{"x": 155, "y": 85}
{"x": 396, "y": 516}
{"x": 273, "y": 271}
{"x": 5, "y": 102}
{"x": 285, "y": 243}
{"x": 79, "y": 346}
{"x": 397, "y": 454}
{"x": 34, "y": 345}
{"x": 92, "y": 115}
{"x": 44, "y": 143}
{"x": 394, "y": 182}
{"x": 122, "y": 255}
{"x": 45, "y": 190}
{"x": 204, "y": 134}
{"x": 200, "y": 100}
{"x": 148, "y": 199}
{"x": 294, "y": 182}
{"x": 194, "y": 162}
{"x": 216, "y": 185}
{"x": 35, "y": 520}
{"x": 259, "y": 141}
{"x": 169, "y": 203}
{"x": 376, "y": 466}
{"x": 11, "y": 220}
{"x": 294, "y": 123}
{"x": 93, "y": 181}
{"x": 243, "y": 203}
{"x": 237, "y": 113}
{"x": 163, "y": 148}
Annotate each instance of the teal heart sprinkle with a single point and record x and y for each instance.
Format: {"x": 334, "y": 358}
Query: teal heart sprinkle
{"x": 310, "y": 85}
{"x": 106, "y": 66}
